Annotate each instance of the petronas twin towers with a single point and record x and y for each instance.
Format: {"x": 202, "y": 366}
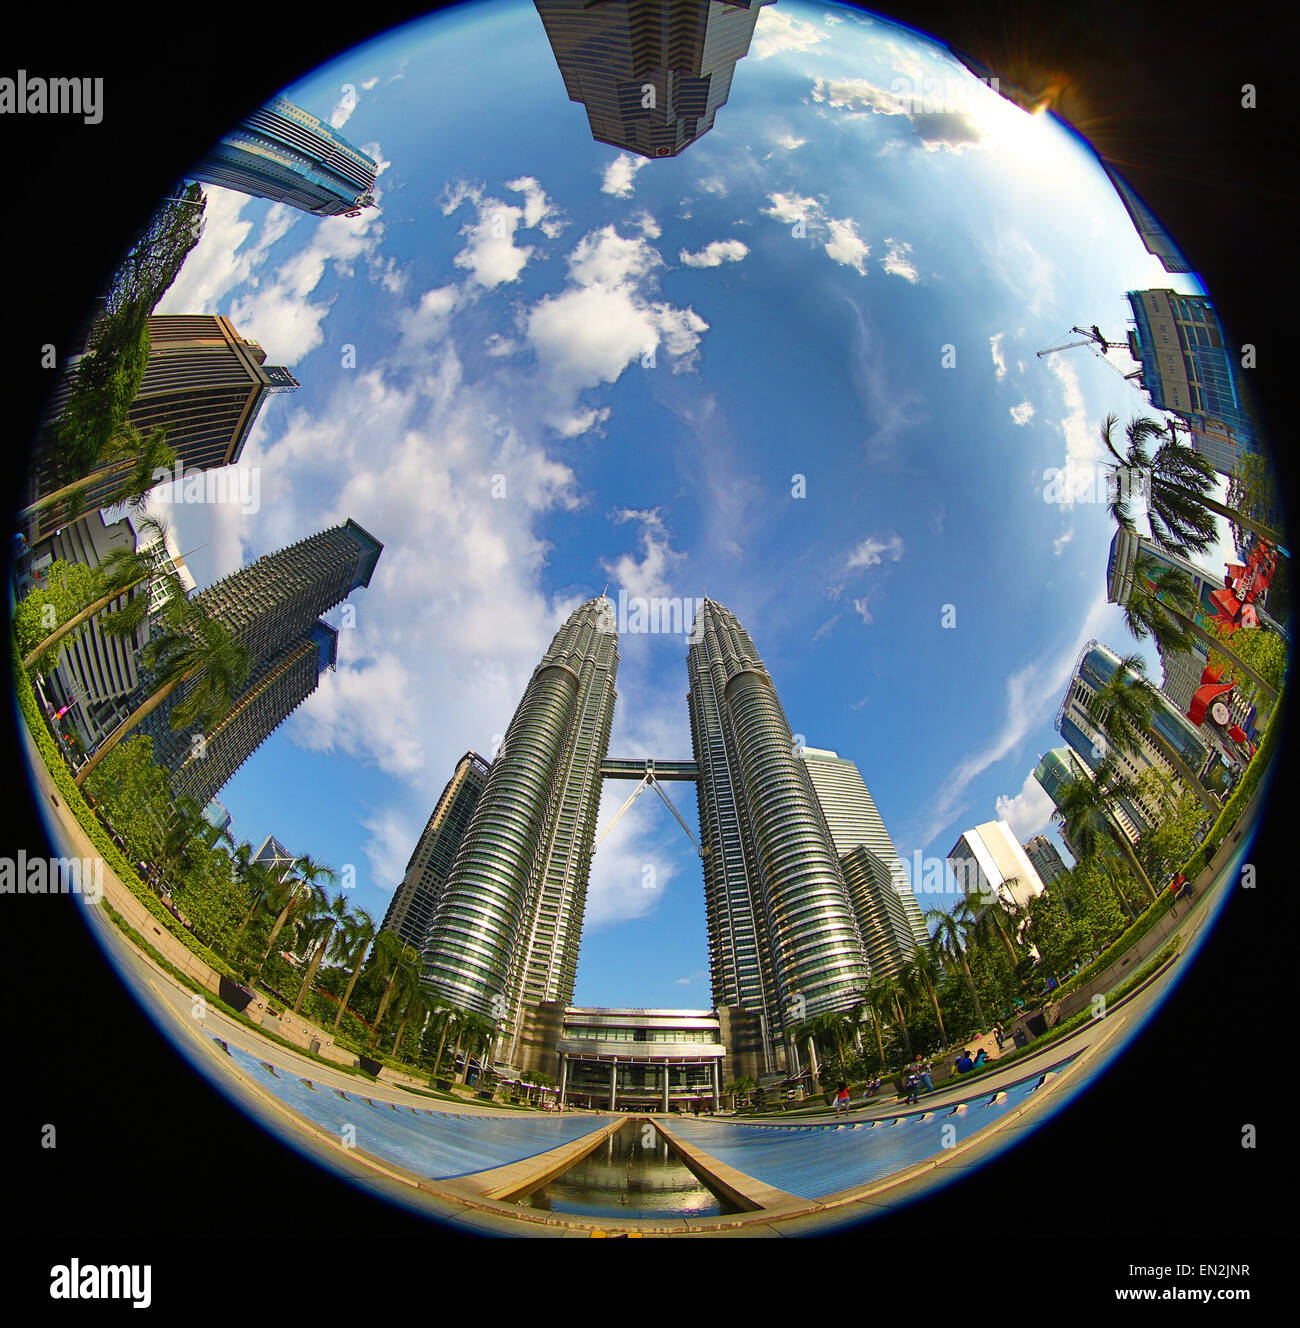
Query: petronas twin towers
{"x": 784, "y": 942}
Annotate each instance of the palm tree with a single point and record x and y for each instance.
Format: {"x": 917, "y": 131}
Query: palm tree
{"x": 120, "y": 572}
{"x": 891, "y": 995}
{"x": 1125, "y": 709}
{"x": 1167, "y": 614}
{"x": 319, "y": 928}
{"x": 874, "y": 1002}
{"x": 1087, "y": 808}
{"x": 299, "y": 896}
{"x": 418, "y": 999}
{"x": 1179, "y": 480}
{"x": 831, "y": 1024}
{"x": 921, "y": 978}
{"x": 950, "y": 941}
{"x": 450, "y": 1017}
{"x": 132, "y": 463}
{"x": 200, "y": 650}
{"x": 992, "y": 916}
{"x": 394, "y": 959}
{"x": 351, "y": 942}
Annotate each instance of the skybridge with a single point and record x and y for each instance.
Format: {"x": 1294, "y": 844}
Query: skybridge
{"x": 649, "y": 773}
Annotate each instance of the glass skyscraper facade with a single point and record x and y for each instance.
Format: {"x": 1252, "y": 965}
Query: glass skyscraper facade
{"x": 272, "y": 609}
{"x": 508, "y": 923}
{"x": 288, "y": 155}
{"x": 1189, "y": 370}
{"x": 651, "y": 73}
{"x": 413, "y": 904}
{"x": 852, "y": 818}
{"x": 783, "y": 937}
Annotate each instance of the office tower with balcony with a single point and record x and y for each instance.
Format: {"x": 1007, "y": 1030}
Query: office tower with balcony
{"x": 1060, "y": 767}
{"x": 784, "y": 941}
{"x": 275, "y": 687}
{"x": 508, "y": 923}
{"x": 203, "y": 383}
{"x": 272, "y": 609}
{"x": 988, "y": 862}
{"x": 853, "y": 820}
{"x": 276, "y": 858}
{"x": 97, "y": 672}
{"x": 651, "y": 73}
{"x": 1047, "y": 861}
{"x": 411, "y": 910}
{"x": 290, "y": 156}
{"x": 1097, "y": 665}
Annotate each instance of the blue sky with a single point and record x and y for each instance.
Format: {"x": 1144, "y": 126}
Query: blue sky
{"x": 499, "y": 305}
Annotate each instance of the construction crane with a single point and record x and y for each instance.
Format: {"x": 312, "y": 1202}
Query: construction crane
{"x": 1098, "y": 344}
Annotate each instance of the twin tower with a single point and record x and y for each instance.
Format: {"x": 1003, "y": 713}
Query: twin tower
{"x": 784, "y": 942}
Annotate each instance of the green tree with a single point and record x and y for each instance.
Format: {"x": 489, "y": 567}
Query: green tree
{"x": 130, "y": 792}
{"x": 319, "y": 927}
{"x": 949, "y": 940}
{"x": 350, "y": 944}
{"x": 66, "y": 590}
{"x": 300, "y": 896}
{"x": 1160, "y": 603}
{"x": 399, "y": 963}
{"x": 1088, "y": 808}
{"x": 198, "y": 650}
{"x": 1125, "y": 709}
{"x": 1177, "y": 482}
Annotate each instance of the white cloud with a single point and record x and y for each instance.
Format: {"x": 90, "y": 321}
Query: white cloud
{"x": 619, "y": 178}
{"x": 1029, "y": 812}
{"x": 874, "y": 550}
{"x": 647, "y": 225}
{"x": 490, "y": 254}
{"x": 999, "y": 360}
{"x": 792, "y": 207}
{"x": 648, "y": 575}
{"x": 776, "y": 33}
{"x": 825, "y": 629}
{"x": 897, "y": 261}
{"x": 539, "y": 213}
{"x": 591, "y": 331}
{"x": 1083, "y": 448}
{"x": 369, "y": 83}
{"x": 788, "y": 141}
{"x": 1022, "y": 413}
{"x": 344, "y": 107}
{"x": 715, "y": 253}
{"x": 1059, "y": 543}
{"x": 862, "y": 608}
{"x": 714, "y": 184}
{"x": 388, "y": 846}
{"x": 846, "y": 246}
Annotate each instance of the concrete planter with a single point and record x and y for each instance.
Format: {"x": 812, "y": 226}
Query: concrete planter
{"x": 370, "y": 1065}
{"x": 235, "y": 994}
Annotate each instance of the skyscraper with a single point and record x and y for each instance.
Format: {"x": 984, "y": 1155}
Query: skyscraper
{"x": 1060, "y": 767}
{"x": 852, "y": 819}
{"x": 275, "y": 688}
{"x": 203, "y": 383}
{"x": 1047, "y": 862}
{"x": 651, "y": 73}
{"x": 783, "y": 938}
{"x": 988, "y": 861}
{"x": 272, "y": 609}
{"x": 412, "y": 907}
{"x": 288, "y": 155}
{"x": 887, "y": 935}
{"x": 1096, "y": 667}
{"x": 508, "y": 923}
{"x": 1189, "y": 370}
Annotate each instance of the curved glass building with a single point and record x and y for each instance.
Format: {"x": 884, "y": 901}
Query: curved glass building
{"x": 509, "y": 920}
{"x": 783, "y": 938}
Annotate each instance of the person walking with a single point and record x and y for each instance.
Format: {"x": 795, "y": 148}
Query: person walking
{"x": 842, "y": 1098}
{"x": 922, "y": 1071}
